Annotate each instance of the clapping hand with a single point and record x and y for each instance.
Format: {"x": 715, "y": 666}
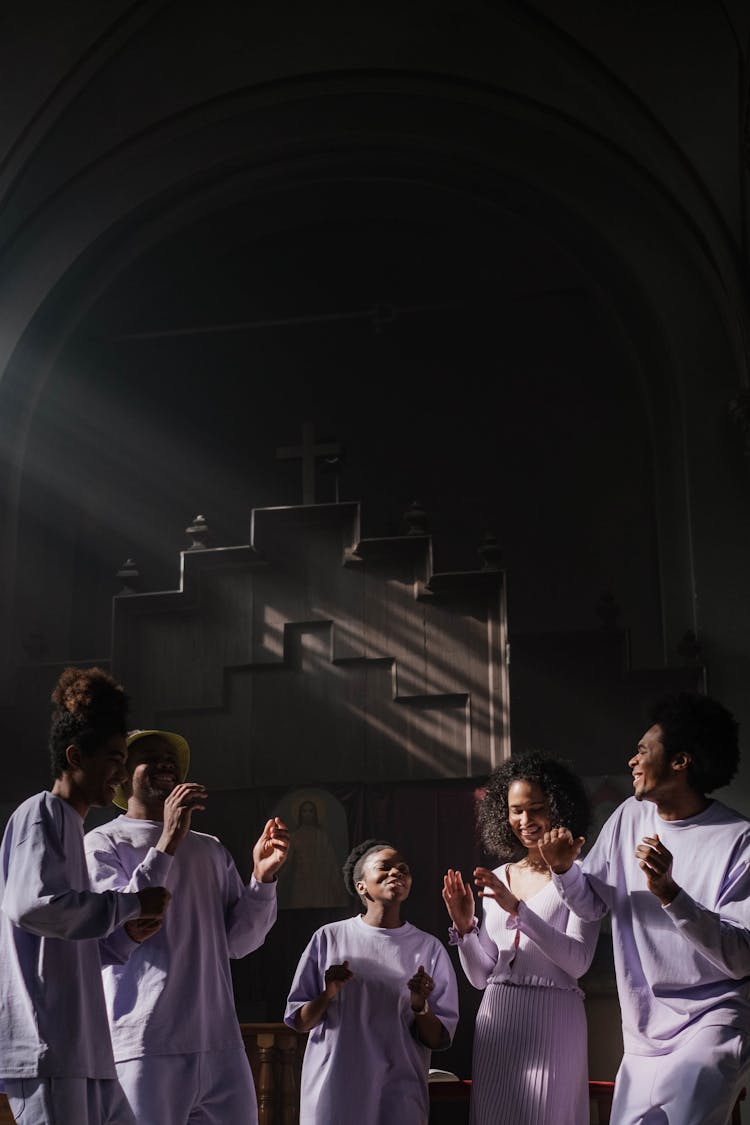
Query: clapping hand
{"x": 420, "y": 986}
{"x": 656, "y": 862}
{"x": 560, "y": 849}
{"x": 336, "y": 976}
{"x": 185, "y": 799}
{"x": 270, "y": 850}
{"x": 494, "y": 888}
{"x": 459, "y": 901}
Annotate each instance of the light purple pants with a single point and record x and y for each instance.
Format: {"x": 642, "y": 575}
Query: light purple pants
{"x": 206, "y": 1088}
{"x": 695, "y": 1084}
{"x": 85, "y": 1101}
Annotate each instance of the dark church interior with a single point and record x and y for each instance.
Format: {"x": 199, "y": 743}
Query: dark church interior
{"x": 374, "y": 405}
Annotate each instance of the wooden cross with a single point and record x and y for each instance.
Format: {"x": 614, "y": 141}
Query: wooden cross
{"x": 308, "y": 453}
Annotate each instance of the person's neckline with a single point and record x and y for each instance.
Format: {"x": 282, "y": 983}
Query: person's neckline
{"x": 686, "y": 821}
{"x": 360, "y": 918}
{"x": 506, "y": 877}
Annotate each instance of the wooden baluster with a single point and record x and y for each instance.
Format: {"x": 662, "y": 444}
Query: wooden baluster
{"x": 290, "y": 1065}
{"x": 266, "y": 1084}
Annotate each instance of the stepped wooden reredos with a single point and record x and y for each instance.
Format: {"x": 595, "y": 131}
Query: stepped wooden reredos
{"x": 315, "y": 655}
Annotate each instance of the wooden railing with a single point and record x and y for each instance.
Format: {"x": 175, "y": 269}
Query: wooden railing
{"x": 275, "y": 1053}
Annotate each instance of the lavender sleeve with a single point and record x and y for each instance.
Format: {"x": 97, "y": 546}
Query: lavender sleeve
{"x": 722, "y": 936}
{"x": 309, "y": 979}
{"x": 116, "y": 949}
{"x": 584, "y": 887}
{"x": 572, "y": 951}
{"x": 106, "y": 870}
{"x": 444, "y": 999}
{"x": 477, "y": 953}
{"x": 38, "y": 896}
{"x": 107, "y": 873}
{"x": 251, "y": 910}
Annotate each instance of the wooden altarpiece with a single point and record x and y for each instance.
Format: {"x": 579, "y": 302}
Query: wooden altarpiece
{"x": 315, "y": 656}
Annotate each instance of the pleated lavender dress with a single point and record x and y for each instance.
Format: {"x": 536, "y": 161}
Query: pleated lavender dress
{"x": 530, "y": 1044}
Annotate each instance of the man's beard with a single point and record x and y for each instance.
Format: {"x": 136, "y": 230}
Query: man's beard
{"x": 153, "y": 794}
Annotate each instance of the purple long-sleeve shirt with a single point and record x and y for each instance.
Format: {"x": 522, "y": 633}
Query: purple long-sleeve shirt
{"x": 686, "y": 964}
{"x": 53, "y": 1022}
{"x": 545, "y": 945}
{"x": 212, "y": 917}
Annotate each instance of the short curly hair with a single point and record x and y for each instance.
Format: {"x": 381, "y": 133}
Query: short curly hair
{"x": 568, "y": 803}
{"x": 88, "y": 708}
{"x": 703, "y": 729}
{"x": 355, "y": 862}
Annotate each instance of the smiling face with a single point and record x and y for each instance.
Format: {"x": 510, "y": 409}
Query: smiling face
{"x": 653, "y": 773}
{"x": 153, "y": 770}
{"x": 528, "y": 812}
{"x": 385, "y": 877}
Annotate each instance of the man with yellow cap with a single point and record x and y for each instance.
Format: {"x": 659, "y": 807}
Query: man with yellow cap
{"x": 176, "y": 1039}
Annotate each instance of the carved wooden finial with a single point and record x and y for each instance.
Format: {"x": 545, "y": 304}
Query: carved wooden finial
{"x": 415, "y": 519}
{"x": 199, "y": 533}
{"x": 130, "y": 576}
{"x": 690, "y": 650}
{"x": 489, "y": 551}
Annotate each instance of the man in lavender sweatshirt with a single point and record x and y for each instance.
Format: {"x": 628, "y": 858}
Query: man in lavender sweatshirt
{"x": 673, "y": 868}
{"x": 177, "y": 1042}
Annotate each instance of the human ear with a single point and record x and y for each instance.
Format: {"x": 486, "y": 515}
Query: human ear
{"x": 73, "y": 756}
{"x": 681, "y": 761}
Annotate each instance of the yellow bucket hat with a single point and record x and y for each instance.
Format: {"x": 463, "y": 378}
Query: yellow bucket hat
{"x": 178, "y": 744}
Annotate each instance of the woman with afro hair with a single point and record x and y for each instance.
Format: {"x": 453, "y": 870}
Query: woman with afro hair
{"x": 56, "y": 1058}
{"x": 377, "y": 995}
{"x": 530, "y": 1044}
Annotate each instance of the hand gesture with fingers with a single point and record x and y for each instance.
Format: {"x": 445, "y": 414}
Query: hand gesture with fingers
{"x": 336, "y": 976}
{"x": 560, "y": 849}
{"x": 655, "y": 860}
{"x": 420, "y": 986}
{"x": 154, "y": 901}
{"x": 459, "y": 901}
{"x": 185, "y": 799}
{"x": 141, "y": 929}
{"x": 270, "y": 850}
{"x": 492, "y": 887}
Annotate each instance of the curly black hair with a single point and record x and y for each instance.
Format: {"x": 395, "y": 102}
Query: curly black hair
{"x": 703, "y": 729}
{"x": 88, "y": 708}
{"x": 568, "y": 804}
{"x": 355, "y": 862}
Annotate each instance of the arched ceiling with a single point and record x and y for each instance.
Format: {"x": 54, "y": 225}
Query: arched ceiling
{"x": 526, "y": 189}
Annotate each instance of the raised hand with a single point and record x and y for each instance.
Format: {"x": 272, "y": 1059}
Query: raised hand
{"x": 154, "y": 901}
{"x": 179, "y": 806}
{"x": 459, "y": 901}
{"x": 560, "y": 849}
{"x": 270, "y": 850}
{"x": 420, "y": 986}
{"x": 492, "y": 887}
{"x": 656, "y": 862}
{"x": 336, "y": 976}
